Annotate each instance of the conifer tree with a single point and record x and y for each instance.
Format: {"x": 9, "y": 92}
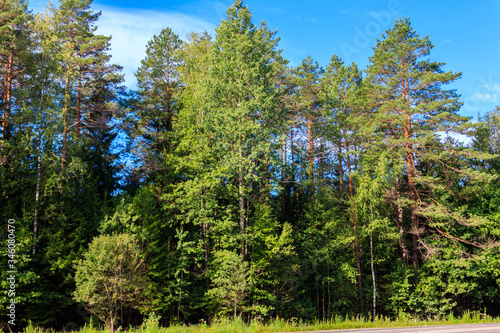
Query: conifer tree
{"x": 82, "y": 56}
{"x": 410, "y": 109}
{"x": 14, "y": 41}
{"x": 307, "y": 108}
{"x": 159, "y": 87}
{"x": 68, "y": 198}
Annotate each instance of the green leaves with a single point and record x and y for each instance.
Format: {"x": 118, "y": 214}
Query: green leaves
{"x": 259, "y": 190}
{"x": 232, "y": 280}
{"x": 112, "y": 274}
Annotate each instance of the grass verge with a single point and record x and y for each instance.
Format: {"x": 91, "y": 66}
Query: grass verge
{"x": 281, "y": 325}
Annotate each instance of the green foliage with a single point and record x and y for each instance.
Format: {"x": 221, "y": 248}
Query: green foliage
{"x": 258, "y": 191}
{"x": 111, "y": 275}
{"x": 281, "y": 325}
{"x": 486, "y": 139}
{"x": 159, "y": 86}
{"x": 232, "y": 281}
{"x": 306, "y": 108}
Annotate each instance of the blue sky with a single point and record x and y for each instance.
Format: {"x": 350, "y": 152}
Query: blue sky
{"x": 466, "y": 34}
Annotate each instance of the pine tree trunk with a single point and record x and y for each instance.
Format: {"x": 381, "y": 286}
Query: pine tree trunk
{"x": 410, "y": 165}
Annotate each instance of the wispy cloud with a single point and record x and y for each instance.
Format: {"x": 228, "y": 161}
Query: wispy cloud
{"x": 482, "y": 98}
{"x": 488, "y": 93}
{"x": 131, "y": 29}
{"x": 305, "y": 19}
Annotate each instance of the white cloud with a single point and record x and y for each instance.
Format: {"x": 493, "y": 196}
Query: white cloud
{"x": 131, "y": 29}
{"x": 488, "y": 93}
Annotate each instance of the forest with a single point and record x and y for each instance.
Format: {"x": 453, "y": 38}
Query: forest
{"x": 230, "y": 184}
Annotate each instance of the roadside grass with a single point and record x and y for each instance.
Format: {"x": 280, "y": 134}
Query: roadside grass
{"x": 280, "y": 325}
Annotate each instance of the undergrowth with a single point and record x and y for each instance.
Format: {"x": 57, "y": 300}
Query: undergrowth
{"x": 281, "y": 325}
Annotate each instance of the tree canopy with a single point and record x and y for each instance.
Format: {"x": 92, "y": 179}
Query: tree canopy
{"x": 232, "y": 184}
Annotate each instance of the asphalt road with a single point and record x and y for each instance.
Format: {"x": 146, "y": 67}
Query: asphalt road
{"x": 467, "y": 328}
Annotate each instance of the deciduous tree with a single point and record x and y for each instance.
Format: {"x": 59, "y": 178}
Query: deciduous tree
{"x": 112, "y": 274}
